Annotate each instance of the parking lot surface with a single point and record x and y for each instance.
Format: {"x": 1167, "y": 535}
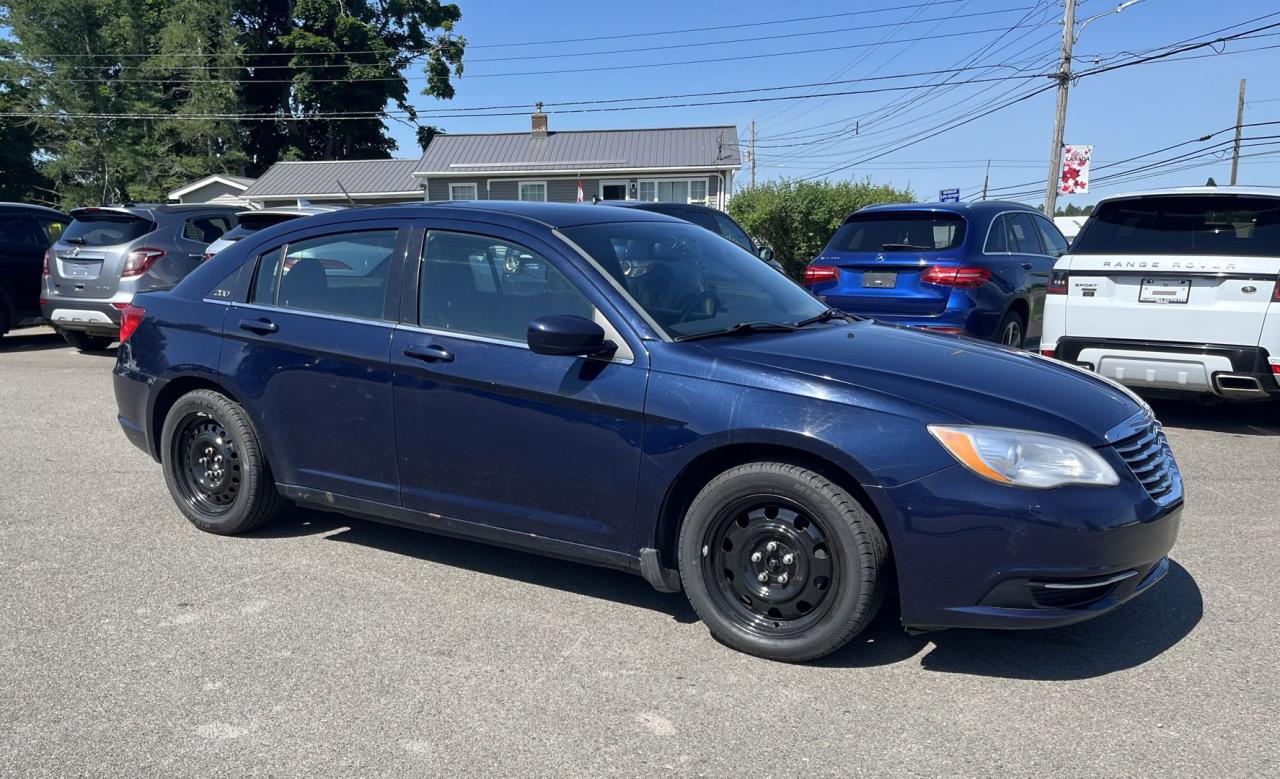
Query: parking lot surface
{"x": 131, "y": 643}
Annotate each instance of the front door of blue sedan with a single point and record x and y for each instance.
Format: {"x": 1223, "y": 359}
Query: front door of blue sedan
{"x": 488, "y": 431}
{"x": 308, "y": 352}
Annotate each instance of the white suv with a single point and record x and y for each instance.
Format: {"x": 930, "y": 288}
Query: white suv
{"x": 1174, "y": 291}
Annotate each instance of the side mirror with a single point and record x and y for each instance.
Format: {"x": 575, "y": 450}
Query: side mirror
{"x": 567, "y": 335}
{"x": 766, "y": 253}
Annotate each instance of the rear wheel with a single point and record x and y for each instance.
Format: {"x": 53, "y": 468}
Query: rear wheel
{"x": 86, "y": 342}
{"x": 1013, "y": 330}
{"x": 214, "y": 466}
{"x": 780, "y": 562}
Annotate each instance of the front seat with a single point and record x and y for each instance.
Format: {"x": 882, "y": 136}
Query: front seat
{"x": 305, "y": 286}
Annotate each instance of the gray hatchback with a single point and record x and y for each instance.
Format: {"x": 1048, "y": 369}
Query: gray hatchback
{"x": 108, "y": 253}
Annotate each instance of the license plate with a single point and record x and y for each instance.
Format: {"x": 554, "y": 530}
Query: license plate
{"x": 1164, "y": 291}
{"x": 77, "y": 270}
{"x": 880, "y": 280}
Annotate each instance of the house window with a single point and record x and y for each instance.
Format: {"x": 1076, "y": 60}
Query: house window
{"x": 463, "y": 192}
{"x": 533, "y": 191}
{"x": 674, "y": 191}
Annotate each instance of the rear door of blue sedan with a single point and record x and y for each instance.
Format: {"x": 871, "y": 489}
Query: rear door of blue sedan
{"x": 487, "y": 430}
{"x": 308, "y": 352}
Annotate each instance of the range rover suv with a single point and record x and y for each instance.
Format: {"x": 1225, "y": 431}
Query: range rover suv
{"x": 1174, "y": 292}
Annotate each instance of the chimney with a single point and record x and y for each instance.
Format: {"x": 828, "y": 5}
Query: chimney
{"x": 539, "y": 122}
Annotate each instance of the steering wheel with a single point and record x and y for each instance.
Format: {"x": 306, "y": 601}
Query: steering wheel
{"x": 698, "y": 299}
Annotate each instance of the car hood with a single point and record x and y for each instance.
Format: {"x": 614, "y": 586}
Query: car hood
{"x": 954, "y": 380}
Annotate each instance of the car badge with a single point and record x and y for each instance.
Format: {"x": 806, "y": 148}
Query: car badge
{"x": 1249, "y": 290}
{"x": 75, "y": 252}
{"x": 879, "y": 258}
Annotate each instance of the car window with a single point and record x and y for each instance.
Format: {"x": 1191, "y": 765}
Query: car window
{"x": 1233, "y": 225}
{"x": 106, "y": 229}
{"x": 344, "y": 274}
{"x": 17, "y": 230}
{"x": 998, "y": 237}
{"x": 898, "y": 231}
{"x": 52, "y": 230}
{"x": 486, "y": 286}
{"x": 702, "y": 219}
{"x": 205, "y": 229}
{"x": 1052, "y": 237}
{"x": 1024, "y": 238}
{"x": 730, "y": 229}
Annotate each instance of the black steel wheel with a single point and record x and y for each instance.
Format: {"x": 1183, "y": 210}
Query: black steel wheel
{"x": 214, "y": 465}
{"x": 781, "y": 562}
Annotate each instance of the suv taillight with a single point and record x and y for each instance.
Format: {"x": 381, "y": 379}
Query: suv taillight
{"x": 964, "y": 278}
{"x": 1275, "y": 293}
{"x": 1058, "y": 282}
{"x": 130, "y": 318}
{"x": 140, "y": 260}
{"x": 818, "y": 274}
{"x": 48, "y": 255}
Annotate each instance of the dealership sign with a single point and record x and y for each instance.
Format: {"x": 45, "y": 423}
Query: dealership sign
{"x": 1075, "y": 170}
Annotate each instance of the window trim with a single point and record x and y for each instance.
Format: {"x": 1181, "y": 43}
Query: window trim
{"x": 546, "y": 191}
{"x": 475, "y": 187}
{"x": 688, "y": 202}
{"x": 992, "y": 224}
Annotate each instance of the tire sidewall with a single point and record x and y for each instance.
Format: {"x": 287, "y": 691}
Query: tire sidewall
{"x": 841, "y": 535}
{"x": 222, "y": 411}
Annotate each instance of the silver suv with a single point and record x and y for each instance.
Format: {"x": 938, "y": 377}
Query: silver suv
{"x": 108, "y": 253}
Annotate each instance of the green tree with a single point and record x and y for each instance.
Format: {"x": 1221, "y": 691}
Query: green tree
{"x": 21, "y": 180}
{"x": 1074, "y": 210}
{"x": 797, "y": 218}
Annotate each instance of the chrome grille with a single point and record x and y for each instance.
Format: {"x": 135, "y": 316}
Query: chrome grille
{"x": 1149, "y": 457}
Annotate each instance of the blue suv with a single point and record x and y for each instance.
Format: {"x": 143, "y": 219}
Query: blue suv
{"x": 496, "y": 371}
{"x": 978, "y": 269}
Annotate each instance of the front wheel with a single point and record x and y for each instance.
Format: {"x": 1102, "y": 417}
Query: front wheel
{"x": 214, "y": 466}
{"x": 780, "y": 562}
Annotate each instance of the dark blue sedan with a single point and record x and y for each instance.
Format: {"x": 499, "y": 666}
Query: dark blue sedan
{"x": 495, "y": 371}
{"x": 978, "y": 269}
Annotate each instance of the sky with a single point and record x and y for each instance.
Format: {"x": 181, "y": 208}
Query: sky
{"x": 1124, "y": 113}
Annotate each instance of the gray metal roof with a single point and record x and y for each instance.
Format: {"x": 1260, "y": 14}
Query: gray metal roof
{"x": 582, "y": 150}
{"x": 358, "y": 177}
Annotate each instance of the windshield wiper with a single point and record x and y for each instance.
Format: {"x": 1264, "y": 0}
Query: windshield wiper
{"x": 827, "y": 316}
{"x": 74, "y": 239}
{"x": 742, "y": 328}
{"x": 904, "y": 246}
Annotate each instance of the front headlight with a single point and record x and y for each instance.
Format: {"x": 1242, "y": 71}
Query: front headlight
{"x": 1024, "y": 459}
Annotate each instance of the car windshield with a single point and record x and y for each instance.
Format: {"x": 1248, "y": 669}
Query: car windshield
{"x": 1184, "y": 225}
{"x": 692, "y": 282}
{"x": 901, "y": 231}
{"x": 107, "y": 229}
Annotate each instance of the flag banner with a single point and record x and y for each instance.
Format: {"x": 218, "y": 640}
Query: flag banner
{"x": 1075, "y": 170}
{"x": 579, "y": 189}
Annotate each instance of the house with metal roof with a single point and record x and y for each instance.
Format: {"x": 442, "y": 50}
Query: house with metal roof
{"x": 336, "y": 182}
{"x": 671, "y": 164}
{"x": 218, "y": 188}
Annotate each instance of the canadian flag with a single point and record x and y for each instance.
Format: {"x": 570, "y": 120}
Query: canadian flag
{"x": 579, "y": 188}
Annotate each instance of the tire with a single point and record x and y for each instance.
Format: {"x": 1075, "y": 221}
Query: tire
{"x": 214, "y": 466}
{"x": 1012, "y": 331}
{"x": 827, "y": 596}
{"x": 86, "y": 342}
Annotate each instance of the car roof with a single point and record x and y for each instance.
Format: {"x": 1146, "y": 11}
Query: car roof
{"x": 152, "y": 210}
{"x": 654, "y": 206}
{"x": 970, "y": 208}
{"x": 1255, "y": 191}
{"x": 510, "y": 212}
{"x": 292, "y": 210}
{"x": 11, "y": 208}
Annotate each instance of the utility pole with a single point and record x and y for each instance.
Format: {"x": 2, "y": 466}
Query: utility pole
{"x": 986, "y": 180}
{"x": 753, "y": 153}
{"x": 1060, "y": 119}
{"x": 1235, "y": 154}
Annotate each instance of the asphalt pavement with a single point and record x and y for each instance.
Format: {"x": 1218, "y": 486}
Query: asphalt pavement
{"x": 133, "y": 644}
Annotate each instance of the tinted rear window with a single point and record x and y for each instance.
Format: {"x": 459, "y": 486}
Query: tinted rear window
{"x": 254, "y": 222}
{"x": 1183, "y": 225}
{"x": 106, "y": 230}
{"x": 906, "y": 231}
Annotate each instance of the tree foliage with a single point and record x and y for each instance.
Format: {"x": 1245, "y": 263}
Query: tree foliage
{"x": 171, "y": 86}
{"x": 797, "y": 218}
{"x": 1073, "y": 210}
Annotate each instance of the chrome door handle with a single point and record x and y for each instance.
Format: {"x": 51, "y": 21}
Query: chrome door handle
{"x": 430, "y": 353}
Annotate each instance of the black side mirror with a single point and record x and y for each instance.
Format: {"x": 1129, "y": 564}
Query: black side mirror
{"x": 568, "y": 335}
{"x": 766, "y": 253}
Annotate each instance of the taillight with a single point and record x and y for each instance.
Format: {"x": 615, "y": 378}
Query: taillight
{"x": 47, "y": 254}
{"x": 205, "y": 257}
{"x": 140, "y": 261}
{"x": 1275, "y": 293}
{"x": 818, "y": 274}
{"x": 130, "y": 318}
{"x": 1058, "y": 282}
{"x": 1047, "y": 352}
{"x": 964, "y": 278}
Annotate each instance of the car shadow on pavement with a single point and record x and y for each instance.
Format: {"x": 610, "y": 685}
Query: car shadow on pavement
{"x": 1258, "y": 418}
{"x": 1133, "y": 634}
{"x": 618, "y": 586}
{"x": 31, "y": 342}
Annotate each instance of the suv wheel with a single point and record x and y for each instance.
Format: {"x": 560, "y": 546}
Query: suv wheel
{"x": 781, "y": 563}
{"x": 1013, "y": 331}
{"x": 86, "y": 342}
{"x": 214, "y": 466}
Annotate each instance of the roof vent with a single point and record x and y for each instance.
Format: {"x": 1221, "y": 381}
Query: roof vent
{"x": 539, "y": 122}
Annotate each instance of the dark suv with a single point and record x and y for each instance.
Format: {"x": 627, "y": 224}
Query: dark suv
{"x": 712, "y": 219}
{"x": 109, "y": 253}
{"x": 25, "y": 234}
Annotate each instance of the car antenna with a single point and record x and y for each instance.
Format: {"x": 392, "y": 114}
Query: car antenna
{"x": 345, "y": 192}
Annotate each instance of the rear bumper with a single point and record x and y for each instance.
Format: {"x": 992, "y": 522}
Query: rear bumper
{"x": 99, "y": 317}
{"x": 1235, "y": 372}
{"x": 962, "y": 313}
{"x": 133, "y": 393}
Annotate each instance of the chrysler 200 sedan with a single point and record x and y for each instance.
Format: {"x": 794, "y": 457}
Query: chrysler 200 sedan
{"x": 493, "y": 371}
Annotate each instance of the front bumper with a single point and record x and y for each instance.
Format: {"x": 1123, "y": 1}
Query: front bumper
{"x": 1236, "y": 372}
{"x": 99, "y": 317}
{"x": 973, "y": 554}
